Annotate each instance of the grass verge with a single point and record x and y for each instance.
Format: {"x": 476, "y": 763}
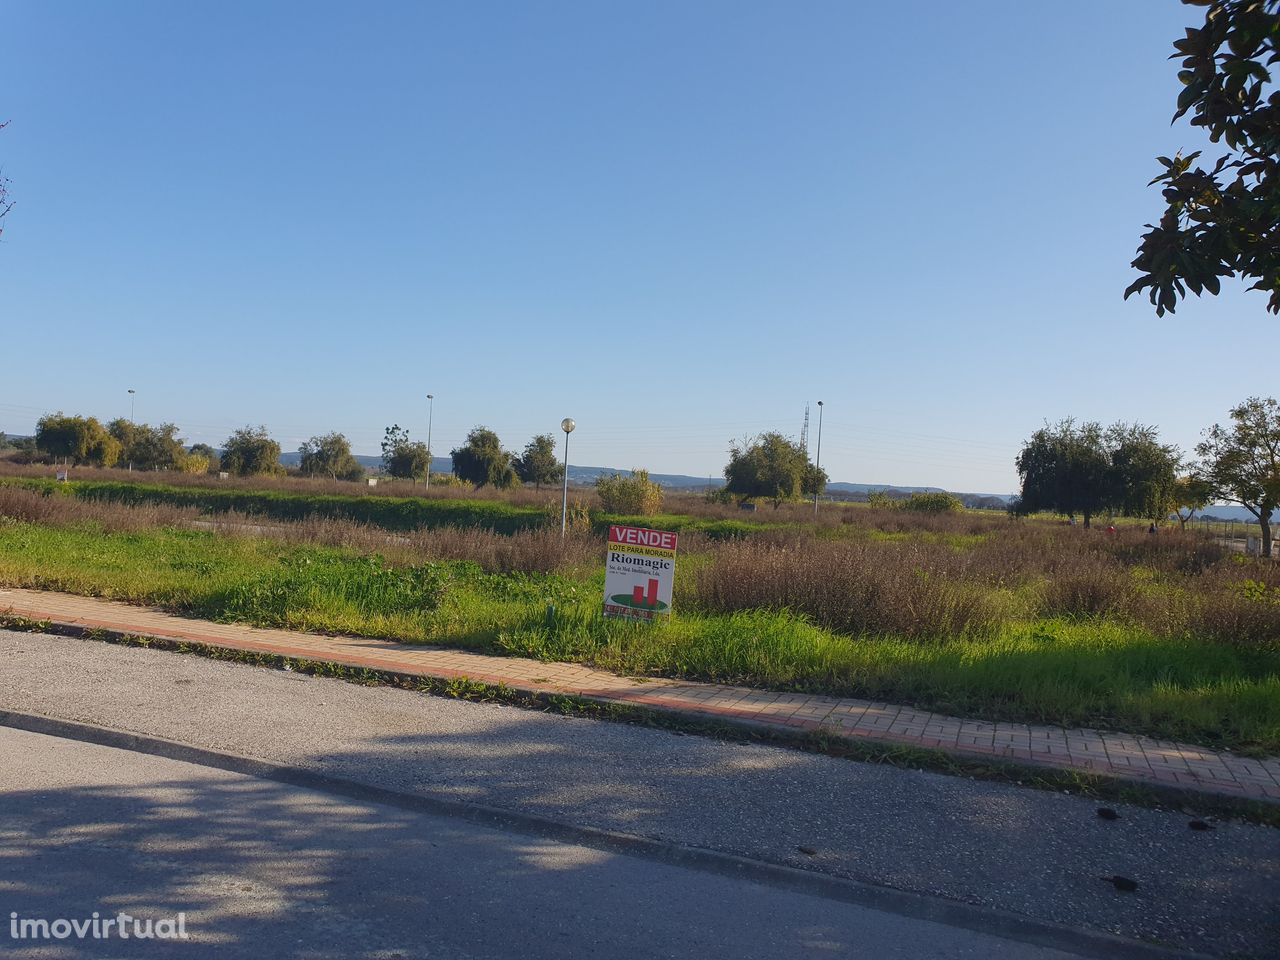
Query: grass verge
{"x": 1066, "y": 671}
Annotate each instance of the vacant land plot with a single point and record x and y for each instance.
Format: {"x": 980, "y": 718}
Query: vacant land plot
{"x": 965, "y": 613}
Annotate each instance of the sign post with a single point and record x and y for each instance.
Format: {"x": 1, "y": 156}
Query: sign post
{"x": 639, "y": 573}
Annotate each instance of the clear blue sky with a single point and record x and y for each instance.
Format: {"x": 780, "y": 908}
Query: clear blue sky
{"x": 673, "y": 221}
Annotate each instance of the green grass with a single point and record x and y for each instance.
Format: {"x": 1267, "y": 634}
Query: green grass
{"x": 1073, "y": 672}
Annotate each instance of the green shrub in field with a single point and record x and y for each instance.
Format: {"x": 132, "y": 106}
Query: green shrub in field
{"x": 636, "y": 495}
{"x": 932, "y": 503}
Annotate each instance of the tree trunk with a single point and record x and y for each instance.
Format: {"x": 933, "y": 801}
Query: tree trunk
{"x": 1086, "y": 519}
{"x": 1266, "y": 537}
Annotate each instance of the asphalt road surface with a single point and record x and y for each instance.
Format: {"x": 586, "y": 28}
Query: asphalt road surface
{"x": 1000, "y": 848}
{"x": 261, "y": 869}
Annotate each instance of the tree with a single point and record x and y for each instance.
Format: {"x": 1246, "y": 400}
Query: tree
{"x": 814, "y": 481}
{"x": 402, "y": 457}
{"x": 769, "y": 466}
{"x": 481, "y": 460}
{"x": 1143, "y": 473}
{"x": 1190, "y": 493}
{"x": 77, "y": 440}
{"x": 538, "y": 464}
{"x": 147, "y": 447}
{"x": 1064, "y": 469}
{"x": 202, "y": 450}
{"x": 251, "y": 452}
{"x": 1224, "y": 221}
{"x": 1071, "y": 469}
{"x": 1241, "y": 462}
{"x": 633, "y": 495}
{"x": 329, "y": 456}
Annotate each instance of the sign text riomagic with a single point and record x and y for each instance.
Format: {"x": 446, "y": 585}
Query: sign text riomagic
{"x": 639, "y": 572}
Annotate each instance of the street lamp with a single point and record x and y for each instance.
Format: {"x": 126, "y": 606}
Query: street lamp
{"x": 817, "y": 462}
{"x": 431, "y": 409}
{"x": 567, "y": 426}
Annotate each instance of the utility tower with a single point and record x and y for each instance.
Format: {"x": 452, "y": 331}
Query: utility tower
{"x": 804, "y": 431}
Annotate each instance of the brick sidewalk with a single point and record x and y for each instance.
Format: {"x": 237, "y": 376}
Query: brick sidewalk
{"x": 1108, "y": 754}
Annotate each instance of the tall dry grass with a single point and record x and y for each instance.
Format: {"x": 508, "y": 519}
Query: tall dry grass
{"x": 1172, "y": 584}
{"x": 528, "y": 551}
{"x": 34, "y": 507}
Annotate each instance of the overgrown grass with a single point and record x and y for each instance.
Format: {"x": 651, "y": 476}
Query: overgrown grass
{"x": 1011, "y": 659}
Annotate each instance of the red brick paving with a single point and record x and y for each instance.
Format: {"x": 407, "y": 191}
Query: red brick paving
{"x": 1123, "y": 756}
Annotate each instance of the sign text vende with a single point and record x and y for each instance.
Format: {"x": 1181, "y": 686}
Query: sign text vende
{"x": 639, "y": 572}
{"x": 642, "y": 537}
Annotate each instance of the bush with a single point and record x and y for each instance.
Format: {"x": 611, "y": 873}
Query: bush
{"x": 932, "y": 503}
{"x": 635, "y": 495}
{"x": 577, "y": 517}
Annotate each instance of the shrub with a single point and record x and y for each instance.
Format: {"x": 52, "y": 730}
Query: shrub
{"x": 635, "y": 495}
{"x": 577, "y": 517}
{"x": 932, "y": 503}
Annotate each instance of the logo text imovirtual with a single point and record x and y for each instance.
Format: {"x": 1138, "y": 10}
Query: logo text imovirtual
{"x": 96, "y": 927}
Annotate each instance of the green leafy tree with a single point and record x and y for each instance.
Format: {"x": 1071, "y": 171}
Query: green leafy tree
{"x": 814, "y": 481}
{"x": 402, "y": 457}
{"x": 211, "y": 457}
{"x": 146, "y": 447}
{"x": 481, "y": 460}
{"x": 1064, "y": 469}
{"x": 1241, "y": 462}
{"x": 1143, "y": 474}
{"x": 329, "y": 456}
{"x": 76, "y": 440}
{"x": 769, "y": 466}
{"x": 635, "y": 495}
{"x": 251, "y": 452}
{"x": 1223, "y": 221}
{"x": 1190, "y": 493}
{"x": 538, "y": 463}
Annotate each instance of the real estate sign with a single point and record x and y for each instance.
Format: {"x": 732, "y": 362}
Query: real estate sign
{"x": 639, "y": 572}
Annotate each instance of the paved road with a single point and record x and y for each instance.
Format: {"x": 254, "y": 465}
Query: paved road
{"x": 259, "y": 869}
{"x": 1022, "y": 851}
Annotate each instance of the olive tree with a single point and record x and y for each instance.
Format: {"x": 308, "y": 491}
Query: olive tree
{"x": 402, "y": 457}
{"x": 251, "y": 451}
{"x": 329, "y": 456}
{"x": 481, "y": 460}
{"x": 1241, "y": 462}
{"x": 538, "y": 463}
{"x": 770, "y": 466}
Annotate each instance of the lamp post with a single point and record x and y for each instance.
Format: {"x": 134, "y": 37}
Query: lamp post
{"x": 567, "y": 426}
{"x": 817, "y": 462}
{"x": 132, "y": 397}
{"x": 431, "y": 409}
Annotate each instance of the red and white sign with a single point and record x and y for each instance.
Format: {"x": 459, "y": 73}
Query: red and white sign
{"x": 640, "y": 572}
